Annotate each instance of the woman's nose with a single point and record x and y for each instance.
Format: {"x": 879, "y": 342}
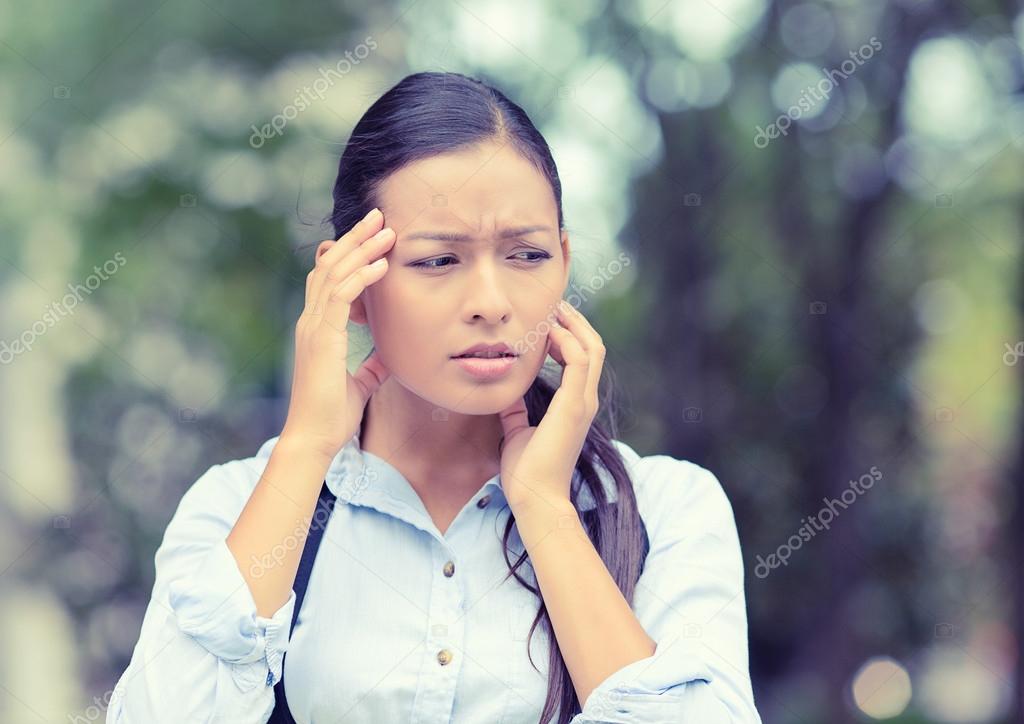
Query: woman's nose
{"x": 485, "y": 295}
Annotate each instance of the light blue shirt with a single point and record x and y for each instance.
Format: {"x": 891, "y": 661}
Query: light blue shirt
{"x": 389, "y": 593}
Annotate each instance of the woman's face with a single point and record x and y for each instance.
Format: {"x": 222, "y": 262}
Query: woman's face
{"x": 493, "y": 285}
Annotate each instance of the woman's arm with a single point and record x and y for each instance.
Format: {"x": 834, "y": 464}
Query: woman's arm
{"x": 205, "y": 652}
{"x": 324, "y": 412}
{"x": 680, "y": 652}
{"x": 266, "y": 541}
{"x": 220, "y": 615}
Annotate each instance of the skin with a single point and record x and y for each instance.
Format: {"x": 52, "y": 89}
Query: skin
{"x": 487, "y": 290}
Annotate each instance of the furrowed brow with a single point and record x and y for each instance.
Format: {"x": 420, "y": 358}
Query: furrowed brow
{"x": 454, "y": 236}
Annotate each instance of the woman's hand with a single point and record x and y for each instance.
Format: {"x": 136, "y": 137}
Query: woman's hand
{"x": 327, "y": 402}
{"x": 537, "y": 463}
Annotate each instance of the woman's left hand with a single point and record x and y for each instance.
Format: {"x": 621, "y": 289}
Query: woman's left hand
{"x": 537, "y": 463}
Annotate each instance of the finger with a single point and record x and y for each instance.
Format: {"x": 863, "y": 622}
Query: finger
{"x": 309, "y": 287}
{"x": 513, "y": 419}
{"x": 576, "y": 364}
{"x": 346, "y": 266}
{"x": 553, "y": 348}
{"x": 568, "y": 406}
{"x": 370, "y": 375}
{"x": 330, "y": 251}
{"x": 338, "y": 301}
{"x": 591, "y": 341}
{"x": 573, "y": 320}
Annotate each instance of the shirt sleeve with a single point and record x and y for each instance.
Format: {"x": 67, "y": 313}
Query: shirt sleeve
{"x": 690, "y": 600}
{"x": 203, "y": 653}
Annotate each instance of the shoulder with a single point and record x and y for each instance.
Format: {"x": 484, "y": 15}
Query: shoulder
{"x": 678, "y": 497}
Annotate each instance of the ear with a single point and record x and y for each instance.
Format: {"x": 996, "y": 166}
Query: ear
{"x": 323, "y": 248}
{"x": 566, "y": 259}
{"x": 357, "y": 312}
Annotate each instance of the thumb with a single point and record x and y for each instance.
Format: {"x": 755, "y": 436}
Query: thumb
{"x": 370, "y": 375}
{"x": 514, "y": 418}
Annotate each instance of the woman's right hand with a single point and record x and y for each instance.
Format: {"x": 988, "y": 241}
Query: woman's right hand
{"x": 326, "y": 405}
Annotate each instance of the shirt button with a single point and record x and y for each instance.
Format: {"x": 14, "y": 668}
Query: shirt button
{"x": 449, "y": 569}
{"x": 482, "y": 503}
{"x": 444, "y": 656}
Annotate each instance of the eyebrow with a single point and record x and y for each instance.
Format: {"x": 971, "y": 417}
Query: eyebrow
{"x": 454, "y": 236}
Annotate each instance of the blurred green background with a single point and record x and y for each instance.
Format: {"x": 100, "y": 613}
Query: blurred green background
{"x": 821, "y": 208}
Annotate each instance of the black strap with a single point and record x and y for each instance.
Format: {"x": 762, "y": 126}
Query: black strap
{"x": 324, "y": 506}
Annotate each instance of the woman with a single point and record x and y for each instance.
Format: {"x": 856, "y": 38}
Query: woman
{"x": 579, "y": 582}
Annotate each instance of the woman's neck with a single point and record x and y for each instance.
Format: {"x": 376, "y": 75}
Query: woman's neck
{"x": 442, "y": 453}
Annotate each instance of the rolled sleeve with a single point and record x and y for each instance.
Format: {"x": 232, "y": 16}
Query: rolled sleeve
{"x": 203, "y": 654}
{"x": 690, "y": 600}
{"x": 661, "y": 688}
{"x": 215, "y": 607}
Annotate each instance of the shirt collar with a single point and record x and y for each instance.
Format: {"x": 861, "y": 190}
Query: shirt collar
{"x": 358, "y": 477}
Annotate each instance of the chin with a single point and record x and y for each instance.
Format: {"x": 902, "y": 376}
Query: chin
{"x": 486, "y": 399}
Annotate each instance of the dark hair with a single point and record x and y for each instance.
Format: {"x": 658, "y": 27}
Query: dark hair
{"x": 430, "y": 113}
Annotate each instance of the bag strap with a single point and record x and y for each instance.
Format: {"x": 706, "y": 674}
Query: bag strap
{"x": 324, "y": 506}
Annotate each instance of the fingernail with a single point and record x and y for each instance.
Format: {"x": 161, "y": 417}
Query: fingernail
{"x": 372, "y": 216}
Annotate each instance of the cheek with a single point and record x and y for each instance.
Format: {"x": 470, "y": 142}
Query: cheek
{"x": 408, "y": 329}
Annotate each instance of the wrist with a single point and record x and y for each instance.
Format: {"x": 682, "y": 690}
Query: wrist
{"x": 297, "y": 445}
{"x": 541, "y": 518}
{"x": 536, "y": 504}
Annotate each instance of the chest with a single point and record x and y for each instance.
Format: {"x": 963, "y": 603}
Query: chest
{"x": 410, "y": 628}
{"x": 442, "y": 513}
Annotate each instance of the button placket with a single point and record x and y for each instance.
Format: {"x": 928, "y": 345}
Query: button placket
{"x": 445, "y": 638}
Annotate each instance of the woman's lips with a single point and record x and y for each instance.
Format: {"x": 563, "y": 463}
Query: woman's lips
{"x": 486, "y": 368}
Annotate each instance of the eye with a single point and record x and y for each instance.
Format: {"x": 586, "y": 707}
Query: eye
{"x": 430, "y": 263}
{"x": 541, "y": 254}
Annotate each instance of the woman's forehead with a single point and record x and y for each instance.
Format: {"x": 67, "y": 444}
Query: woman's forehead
{"x": 466, "y": 183}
